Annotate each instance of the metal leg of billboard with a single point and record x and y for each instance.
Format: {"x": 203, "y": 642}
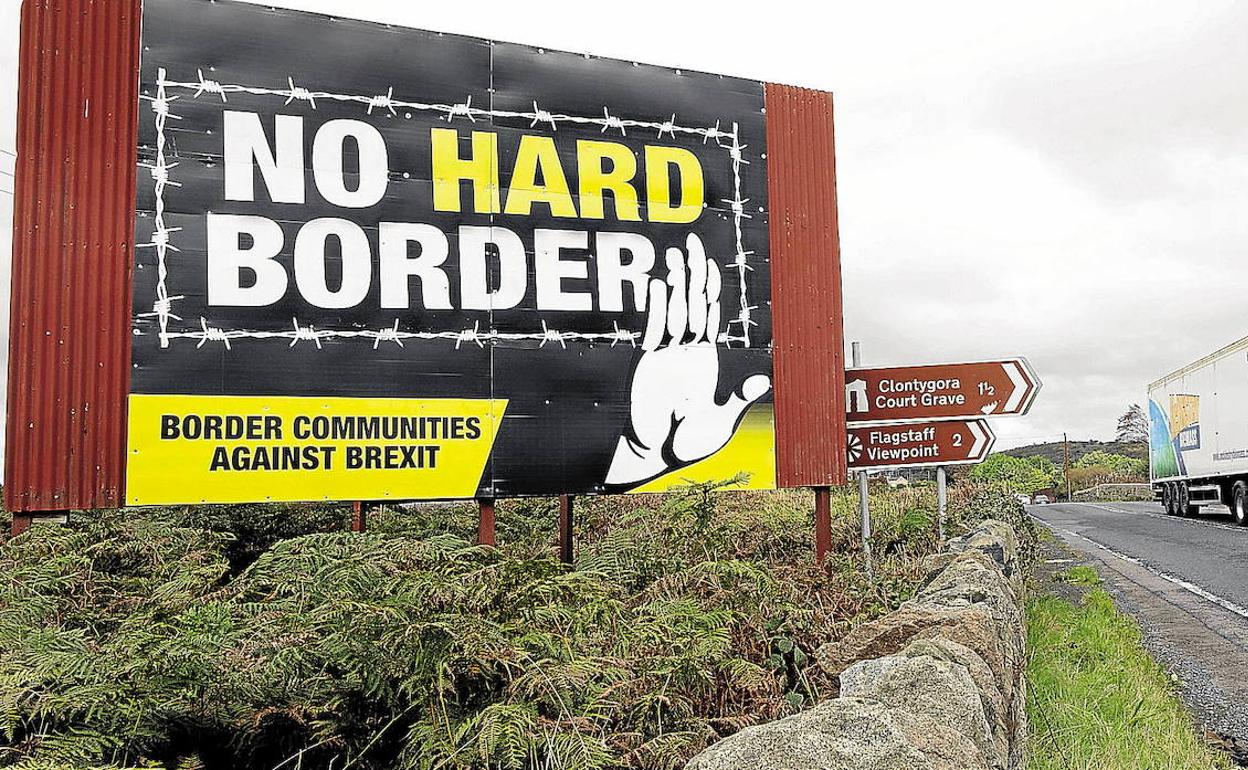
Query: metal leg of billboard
{"x": 823, "y": 523}
{"x": 359, "y": 516}
{"x": 566, "y": 554}
{"x": 485, "y": 530}
{"x": 23, "y": 521}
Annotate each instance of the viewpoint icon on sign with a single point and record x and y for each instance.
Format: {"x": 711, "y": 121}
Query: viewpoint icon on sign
{"x": 854, "y": 448}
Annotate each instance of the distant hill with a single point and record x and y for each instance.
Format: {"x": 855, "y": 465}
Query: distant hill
{"x": 1053, "y": 450}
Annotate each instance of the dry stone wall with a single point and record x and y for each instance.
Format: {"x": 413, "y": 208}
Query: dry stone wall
{"x": 936, "y": 685}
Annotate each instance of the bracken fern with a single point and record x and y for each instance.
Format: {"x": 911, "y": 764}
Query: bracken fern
{"x": 269, "y": 637}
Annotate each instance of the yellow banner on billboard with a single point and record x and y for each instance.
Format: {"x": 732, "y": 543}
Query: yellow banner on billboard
{"x": 225, "y": 449}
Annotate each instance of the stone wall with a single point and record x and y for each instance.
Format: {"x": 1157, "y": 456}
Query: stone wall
{"x": 937, "y": 684}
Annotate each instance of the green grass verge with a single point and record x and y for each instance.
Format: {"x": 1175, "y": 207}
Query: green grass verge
{"x": 1080, "y": 576}
{"x": 1096, "y": 699}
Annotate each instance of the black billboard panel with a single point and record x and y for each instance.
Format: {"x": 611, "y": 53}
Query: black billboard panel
{"x": 377, "y": 262}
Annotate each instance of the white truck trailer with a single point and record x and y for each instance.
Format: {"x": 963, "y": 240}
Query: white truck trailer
{"x": 1198, "y": 434}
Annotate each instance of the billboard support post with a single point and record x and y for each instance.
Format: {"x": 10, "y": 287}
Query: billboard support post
{"x": 359, "y": 516}
{"x": 864, "y": 503}
{"x": 823, "y": 523}
{"x": 566, "y": 543}
{"x": 21, "y": 523}
{"x": 942, "y": 499}
{"x": 24, "y": 521}
{"x": 485, "y": 529}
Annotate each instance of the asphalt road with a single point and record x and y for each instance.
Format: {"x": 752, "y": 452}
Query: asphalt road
{"x": 1186, "y": 582}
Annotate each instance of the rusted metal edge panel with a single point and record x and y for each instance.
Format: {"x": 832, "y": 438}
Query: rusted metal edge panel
{"x": 809, "y": 350}
{"x": 69, "y": 351}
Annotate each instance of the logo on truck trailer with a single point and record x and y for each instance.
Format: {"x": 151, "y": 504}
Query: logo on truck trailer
{"x": 1185, "y": 421}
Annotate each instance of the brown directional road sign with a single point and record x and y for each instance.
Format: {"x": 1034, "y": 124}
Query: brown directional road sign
{"x": 940, "y": 391}
{"x": 916, "y": 444}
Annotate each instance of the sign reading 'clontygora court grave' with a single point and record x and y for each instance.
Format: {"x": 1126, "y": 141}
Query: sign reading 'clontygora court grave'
{"x": 377, "y": 262}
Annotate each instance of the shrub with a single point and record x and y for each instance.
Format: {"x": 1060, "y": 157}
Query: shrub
{"x": 214, "y": 638}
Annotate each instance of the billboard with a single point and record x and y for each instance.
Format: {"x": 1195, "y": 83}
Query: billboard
{"x": 370, "y": 262}
{"x": 386, "y": 263}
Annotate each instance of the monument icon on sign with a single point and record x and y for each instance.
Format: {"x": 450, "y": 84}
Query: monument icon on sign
{"x": 856, "y": 396}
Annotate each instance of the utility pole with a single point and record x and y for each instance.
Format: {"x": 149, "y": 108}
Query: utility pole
{"x": 864, "y": 506}
{"x": 1066, "y": 464}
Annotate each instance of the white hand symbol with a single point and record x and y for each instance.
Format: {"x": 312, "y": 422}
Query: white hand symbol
{"x": 674, "y": 417}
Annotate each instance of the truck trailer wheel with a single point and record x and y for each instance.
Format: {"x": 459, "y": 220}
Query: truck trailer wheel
{"x": 1184, "y": 503}
{"x": 1239, "y": 503}
{"x": 1167, "y": 498}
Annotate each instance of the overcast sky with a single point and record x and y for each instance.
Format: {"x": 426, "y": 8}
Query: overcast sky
{"x": 1064, "y": 180}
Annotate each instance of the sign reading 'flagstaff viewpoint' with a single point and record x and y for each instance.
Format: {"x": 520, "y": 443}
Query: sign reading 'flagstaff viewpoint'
{"x": 919, "y": 444}
{"x": 378, "y": 262}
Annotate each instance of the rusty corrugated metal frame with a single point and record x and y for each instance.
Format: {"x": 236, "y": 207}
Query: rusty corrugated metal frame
{"x": 69, "y": 350}
{"x": 808, "y": 336}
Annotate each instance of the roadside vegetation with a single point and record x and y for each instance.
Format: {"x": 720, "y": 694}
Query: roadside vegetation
{"x": 1037, "y": 473}
{"x": 1096, "y": 700}
{"x": 271, "y": 637}
{"x": 1040, "y": 468}
{"x": 1017, "y": 475}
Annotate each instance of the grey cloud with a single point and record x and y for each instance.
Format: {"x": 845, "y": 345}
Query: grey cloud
{"x": 1124, "y": 123}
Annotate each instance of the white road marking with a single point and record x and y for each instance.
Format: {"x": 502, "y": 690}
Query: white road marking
{"x": 1180, "y": 582}
{"x": 1176, "y": 519}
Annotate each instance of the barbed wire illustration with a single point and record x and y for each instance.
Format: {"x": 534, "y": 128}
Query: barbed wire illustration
{"x": 162, "y": 235}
